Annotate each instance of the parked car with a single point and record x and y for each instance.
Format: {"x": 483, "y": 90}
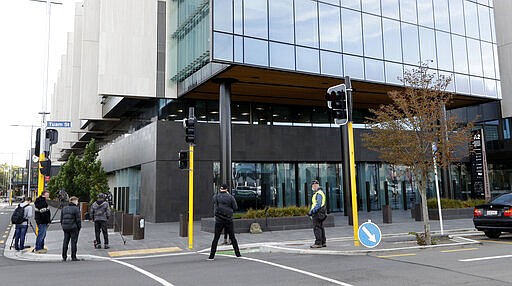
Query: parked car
{"x": 494, "y": 217}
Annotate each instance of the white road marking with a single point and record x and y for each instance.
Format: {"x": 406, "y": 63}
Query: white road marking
{"x": 296, "y": 270}
{"x": 485, "y": 258}
{"x": 147, "y": 273}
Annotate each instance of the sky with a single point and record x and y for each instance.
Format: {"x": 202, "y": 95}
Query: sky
{"x": 22, "y": 67}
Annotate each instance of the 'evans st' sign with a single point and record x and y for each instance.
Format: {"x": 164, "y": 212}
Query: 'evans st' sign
{"x": 56, "y": 124}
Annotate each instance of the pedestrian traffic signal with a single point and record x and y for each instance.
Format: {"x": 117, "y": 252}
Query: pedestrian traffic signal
{"x": 183, "y": 159}
{"x": 336, "y": 97}
{"x": 190, "y": 130}
{"x": 46, "y": 167}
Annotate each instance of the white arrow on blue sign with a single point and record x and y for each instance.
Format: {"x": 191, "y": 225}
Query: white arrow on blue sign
{"x": 54, "y": 124}
{"x": 369, "y": 234}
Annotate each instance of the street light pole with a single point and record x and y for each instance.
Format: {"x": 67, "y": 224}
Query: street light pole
{"x": 29, "y": 181}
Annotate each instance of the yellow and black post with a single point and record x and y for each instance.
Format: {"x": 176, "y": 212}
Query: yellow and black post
{"x": 190, "y": 131}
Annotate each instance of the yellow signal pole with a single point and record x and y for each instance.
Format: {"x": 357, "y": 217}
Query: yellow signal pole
{"x": 191, "y": 197}
{"x": 40, "y": 177}
{"x": 353, "y": 192}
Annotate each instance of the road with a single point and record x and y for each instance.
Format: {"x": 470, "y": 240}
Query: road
{"x": 481, "y": 264}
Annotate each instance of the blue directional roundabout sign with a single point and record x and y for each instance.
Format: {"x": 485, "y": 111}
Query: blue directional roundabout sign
{"x": 369, "y": 234}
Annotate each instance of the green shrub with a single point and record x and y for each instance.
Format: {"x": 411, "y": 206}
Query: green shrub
{"x": 274, "y": 212}
{"x": 453, "y": 204}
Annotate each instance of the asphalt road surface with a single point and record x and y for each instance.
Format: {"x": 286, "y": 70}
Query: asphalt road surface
{"x": 481, "y": 264}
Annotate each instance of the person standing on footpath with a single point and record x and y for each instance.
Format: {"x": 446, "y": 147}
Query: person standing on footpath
{"x": 43, "y": 218}
{"x": 21, "y": 228}
{"x": 319, "y": 213}
{"x": 224, "y": 206}
{"x": 100, "y": 212}
{"x": 71, "y": 224}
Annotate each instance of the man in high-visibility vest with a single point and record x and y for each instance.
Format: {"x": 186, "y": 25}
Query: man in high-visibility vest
{"x": 318, "y": 213}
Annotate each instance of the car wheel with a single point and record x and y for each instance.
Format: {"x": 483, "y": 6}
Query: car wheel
{"x": 492, "y": 234}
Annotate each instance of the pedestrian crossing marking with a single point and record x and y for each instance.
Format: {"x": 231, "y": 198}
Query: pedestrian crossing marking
{"x": 457, "y": 250}
{"x": 4, "y": 236}
{"x": 396, "y": 255}
{"x": 2, "y": 241}
{"x": 143, "y": 251}
{"x": 496, "y": 241}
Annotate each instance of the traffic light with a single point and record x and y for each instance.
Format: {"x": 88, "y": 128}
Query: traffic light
{"x": 46, "y": 167}
{"x": 336, "y": 97}
{"x": 190, "y": 130}
{"x": 52, "y": 135}
{"x": 183, "y": 159}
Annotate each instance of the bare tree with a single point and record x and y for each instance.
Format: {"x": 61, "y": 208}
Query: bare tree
{"x": 407, "y": 131}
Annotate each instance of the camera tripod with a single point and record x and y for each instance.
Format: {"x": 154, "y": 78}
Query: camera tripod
{"x": 15, "y": 232}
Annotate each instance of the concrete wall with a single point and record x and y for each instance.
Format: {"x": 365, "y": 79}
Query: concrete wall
{"x": 128, "y": 48}
{"x": 503, "y": 22}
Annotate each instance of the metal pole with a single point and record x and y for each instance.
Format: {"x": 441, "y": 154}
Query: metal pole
{"x": 30, "y": 160}
{"x": 43, "y": 113}
{"x": 191, "y": 197}
{"x": 434, "y": 149}
{"x": 225, "y": 132}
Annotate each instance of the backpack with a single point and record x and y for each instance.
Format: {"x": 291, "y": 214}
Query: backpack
{"x": 18, "y": 216}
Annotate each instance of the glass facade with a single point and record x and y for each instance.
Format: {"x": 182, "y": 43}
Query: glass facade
{"x": 260, "y": 185}
{"x": 367, "y": 40}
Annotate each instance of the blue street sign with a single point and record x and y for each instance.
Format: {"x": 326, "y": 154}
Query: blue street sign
{"x": 65, "y": 124}
{"x": 369, "y": 234}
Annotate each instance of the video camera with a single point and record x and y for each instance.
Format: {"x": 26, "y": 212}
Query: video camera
{"x": 62, "y": 196}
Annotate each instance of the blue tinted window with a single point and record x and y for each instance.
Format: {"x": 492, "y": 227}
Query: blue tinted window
{"x": 239, "y": 49}
{"x": 394, "y": 73}
{"x": 470, "y": 12}
{"x": 334, "y": 2}
{"x": 391, "y": 9}
{"x": 282, "y": 56}
{"x": 475, "y": 57}
{"x": 255, "y": 18}
{"x": 488, "y": 60}
{"x": 371, "y": 6}
{"x": 408, "y": 11}
{"x": 442, "y": 17}
{"x": 306, "y": 23}
{"x": 426, "y": 13}
{"x": 223, "y": 15}
{"x": 477, "y": 85}
{"x": 451, "y": 85}
{"x": 354, "y": 4}
{"x": 353, "y": 66}
{"x": 493, "y": 27}
{"x": 281, "y": 20}
{"x": 462, "y": 83}
{"x": 428, "y": 47}
{"x": 460, "y": 60}
{"x": 237, "y": 17}
{"x": 410, "y": 45}
{"x": 444, "y": 51}
{"x": 496, "y": 62}
{"x": 485, "y": 23}
{"x": 352, "y": 32}
{"x": 374, "y": 70}
{"x": 490, "y": 87}
{"x": 457, "y": 16}
{"x": 222, "y": 47}
{"x": 372, "y": 34}
{"x": 331, "y": 63}
{"x": 330, "y": 27}
{"x": 392, "y": 40}
{"x": 308, "y": 60}
{"x": 255, "y": 52}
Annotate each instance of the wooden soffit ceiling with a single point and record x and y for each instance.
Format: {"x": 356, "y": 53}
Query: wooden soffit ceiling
{"x": 252, "y": 84}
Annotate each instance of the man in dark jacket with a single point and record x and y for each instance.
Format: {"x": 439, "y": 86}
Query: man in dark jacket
{"x": 224, "y": 205}
{"x": 42, "y": 216}
{"x": 71, "y": 225}
{"x": 100, "y": 212}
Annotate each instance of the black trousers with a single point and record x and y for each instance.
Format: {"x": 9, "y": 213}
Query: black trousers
{"x": 228, "y": 227}
{"x": 73, "y": 235}
{"x": 319, "y": 230}
{"x": 101, "y": 226}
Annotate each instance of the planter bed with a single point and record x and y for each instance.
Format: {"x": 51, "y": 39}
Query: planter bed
{"x": 433, "y": 214}
{"x": 267, "y": 224}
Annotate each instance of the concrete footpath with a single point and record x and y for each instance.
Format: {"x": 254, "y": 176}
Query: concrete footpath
{"x": 164, "y": 239}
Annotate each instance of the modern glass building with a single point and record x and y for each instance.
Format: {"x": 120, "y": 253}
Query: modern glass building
{"x": 256, "y": 72}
